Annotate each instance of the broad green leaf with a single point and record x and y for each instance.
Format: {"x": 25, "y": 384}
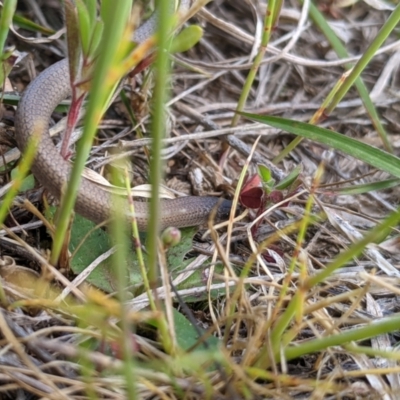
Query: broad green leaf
{"x": 187, "y": 335}
{"x": 28, "y": 182}
{"x": 177, "y": 263}
{"x": 96, "y": 244}
{"x": 176, "y": 254}
{"x": 91, "y": 247}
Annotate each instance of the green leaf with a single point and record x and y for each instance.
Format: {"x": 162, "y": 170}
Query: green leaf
{"x": 13, "y": 100}
{"x": 94, "y": 245}
{"x": 265, "y": 174}
{"x": 186, "y": 39}
{"x": 177, "y": 263}
{"x": 362, "y": 151}
{"x": 6, "y": 16}
{"x": 29, "y": 25}
{"x": 176, "y": 254}
{"x": 96, "y": 36}
{"x": 91, "y": 6}
{"x": 84, "y": 26}
{"x": 28, "y": 183}
{"x": 368, "y": 187}
{"x": 187, "y": 335}
{"x": 289, "y": 179}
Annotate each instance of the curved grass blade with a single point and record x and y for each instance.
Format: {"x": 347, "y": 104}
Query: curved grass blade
{"x": 379, "y": 159}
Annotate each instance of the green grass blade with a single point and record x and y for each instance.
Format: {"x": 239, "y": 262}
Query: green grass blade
{"x": 367, "y": 187}
{"x": 270, "y": 19}
{"x": 355, "y": 78}
{"x": 22, "y": 171}
{"x": 162, "y": 68}
{"x": 371, "y": 155}
{"x": 375, "y": 328}
{"x": 115, "y": 17}
{"x": 341, "y": 51}
{"x": 7, "y": 14}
